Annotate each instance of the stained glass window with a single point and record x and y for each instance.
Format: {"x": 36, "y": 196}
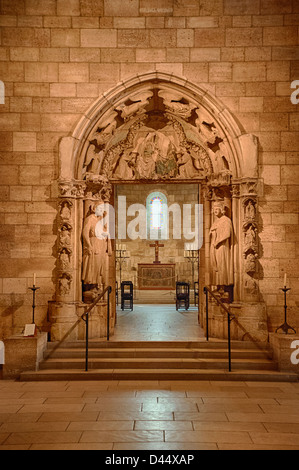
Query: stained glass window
{"x": 156, "y": 206}
{"x": 156, "y": 212}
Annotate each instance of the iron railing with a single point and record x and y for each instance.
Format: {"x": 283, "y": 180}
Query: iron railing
{"x": 230, "y": 318}
{"x": 85, "y": 318}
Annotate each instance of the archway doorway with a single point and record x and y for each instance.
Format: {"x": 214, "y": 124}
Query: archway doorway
{"x": 159, "y": 129}
{"x": 157, "y": 245}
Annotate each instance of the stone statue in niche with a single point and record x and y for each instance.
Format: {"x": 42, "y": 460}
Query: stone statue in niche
{"x": 64, "y": 257}
{"x": 250, "y": 263}
{"x": 65, "y": 212}
{"x": 250, "y": 210}
{"x": 65, "y": 284}
{"x": 65, "y": 235}
{"x": 250, "y": 236}
{"x": 221, "y": 253}
{"x": 96, "y": 250}
{"x": 251, "y": 287}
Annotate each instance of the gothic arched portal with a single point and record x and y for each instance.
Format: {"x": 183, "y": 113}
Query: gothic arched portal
{"x": 159, "y": 128}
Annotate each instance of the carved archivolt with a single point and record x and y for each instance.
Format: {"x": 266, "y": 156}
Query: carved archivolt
{"x": 156, "y": 134}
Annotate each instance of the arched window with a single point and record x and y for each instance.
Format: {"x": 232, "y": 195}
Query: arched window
{"x": 156, "y": 211}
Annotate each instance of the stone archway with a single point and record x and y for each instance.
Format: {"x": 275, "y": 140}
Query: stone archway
{"x": 159, "y": 128}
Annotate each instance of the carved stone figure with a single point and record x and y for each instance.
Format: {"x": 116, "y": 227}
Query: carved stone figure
{"x": 65, "y": 284}
{"x": 64, "y": 258}
{"x": 250, "y": 237}
{"x": 250, "y": 263}
{"x": 96, "y": 249}
{"x": 175, "y": 103}
{"x": 124, "y": 167}
{"x": 250, "y": 210}
{"x": 65, "y": 212}
{"x": 65, "y": 235}
{"x": 137, "y": 105}
{"x": 221, "y": 248}
{"x": 186, "y": 166}
{"x": 145, "y": 161}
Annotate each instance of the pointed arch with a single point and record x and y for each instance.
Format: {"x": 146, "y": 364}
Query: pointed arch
{"x": 241, "y": 158}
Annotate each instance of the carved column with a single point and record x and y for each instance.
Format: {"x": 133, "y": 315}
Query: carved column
{"x": 63, "y": 312}
{"x": 249, "y": 309}
{"x": 250, "y": 242}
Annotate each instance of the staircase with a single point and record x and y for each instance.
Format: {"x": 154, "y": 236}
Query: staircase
{"x": 176, "y": 360}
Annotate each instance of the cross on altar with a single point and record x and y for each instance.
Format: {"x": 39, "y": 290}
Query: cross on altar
{"x": 157, "y": 245}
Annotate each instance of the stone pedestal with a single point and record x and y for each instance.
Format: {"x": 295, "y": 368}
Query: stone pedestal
{"x": 23, "y": 354}
{"x": 250, "y": 322}
{"x": 67, "y": 324}
{"x": 285, "y": 351}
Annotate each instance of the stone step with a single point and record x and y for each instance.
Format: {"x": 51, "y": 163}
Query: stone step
{"x": 147, "y": 353}
{"x": 159, "y": 375}
{"x": 144, "y": 360}
{"x": 157, "y": 363}
{"x": 203, "y": 344}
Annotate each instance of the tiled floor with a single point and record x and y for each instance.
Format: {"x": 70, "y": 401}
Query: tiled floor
{"x": 149, "y": 415}
{"x": 157, "y": 323}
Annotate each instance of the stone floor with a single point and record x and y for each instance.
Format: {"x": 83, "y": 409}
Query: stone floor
{"x": 157, "y": 323}
{"x": 149, "y": 415}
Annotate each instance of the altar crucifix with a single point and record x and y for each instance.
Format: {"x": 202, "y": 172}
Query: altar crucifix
{"x": 157, "y": 245}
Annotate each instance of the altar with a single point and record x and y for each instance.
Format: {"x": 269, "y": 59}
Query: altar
{"x": 156, "y": 276}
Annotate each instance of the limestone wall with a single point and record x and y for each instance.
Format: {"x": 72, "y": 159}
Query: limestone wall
{"x": 58, "y": 56}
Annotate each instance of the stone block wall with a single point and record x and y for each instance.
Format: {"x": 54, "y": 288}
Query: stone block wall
{"x": 58, "y": 56}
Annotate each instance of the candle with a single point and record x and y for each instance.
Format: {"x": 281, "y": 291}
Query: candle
{"x": 285, "y": 279}
{"x": 34, "y": 279}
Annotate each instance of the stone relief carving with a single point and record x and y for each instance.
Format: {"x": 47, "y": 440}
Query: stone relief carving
{"x": 250, "y": 239}
{"x": 156, "y": 134}
{"x": 65, "y": 210}
{"x": 64, "y": 259}
{"x": 65, "y": 235}
{"x": 64, "y": 284}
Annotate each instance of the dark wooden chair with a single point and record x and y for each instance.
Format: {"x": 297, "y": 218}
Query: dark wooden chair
{"x": 116, "y": 292}
{"x": 127, "y": 294}
{"x": 182, "y": 295}
{"x": 196, "y": 292}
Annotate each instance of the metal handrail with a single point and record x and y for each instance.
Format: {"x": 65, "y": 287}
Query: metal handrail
{"x": 230, "y": 318}
{"x": 85, "y": 318}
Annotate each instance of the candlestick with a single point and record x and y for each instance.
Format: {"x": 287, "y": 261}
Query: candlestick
{"x": 285, "y": 327}
{"x": 34, "y": 289}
